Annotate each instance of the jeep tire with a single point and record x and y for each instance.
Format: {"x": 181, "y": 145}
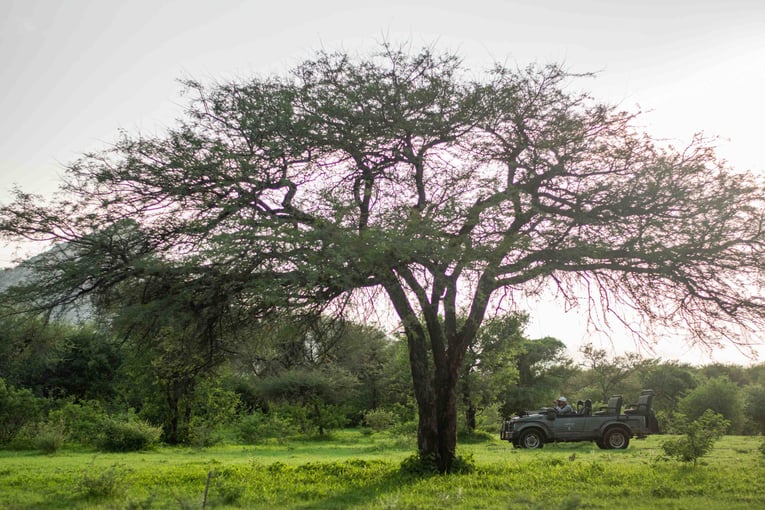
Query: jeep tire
{"x": 532, "y": 438}
{"x": 616, "y": 438}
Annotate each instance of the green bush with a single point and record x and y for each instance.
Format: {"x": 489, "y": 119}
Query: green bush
{"x": 719, "y": 394}
{"x": 18, "y": 407}
{"x": 203, "y": 434}
{"x": 475, "y": 436}
{"x": 489, "y": 419}
{"x": 50, "y": 437}
{"x": 754, "y": 407}
{"x": 227, "y": 486}
{"x": 698, "y": 439}
{"x": 47, "y": 436}
{"x": 312, "y": 419}
{"x": 405, "y": 429}
{"x": 109, "y": 483}
{"x": 214, "y": 409}
{"x": 259, "y": 426}
{"x": 418, "y": 465}
{"x": 128, "y": 435}
{"x": 379, "y": 419}
{"x": 83, "y": 421}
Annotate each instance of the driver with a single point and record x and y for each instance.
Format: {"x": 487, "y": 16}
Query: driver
{"x": 562, "y": 407}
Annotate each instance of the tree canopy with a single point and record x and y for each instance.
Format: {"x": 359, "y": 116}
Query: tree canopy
{"x": 405, "y": 177}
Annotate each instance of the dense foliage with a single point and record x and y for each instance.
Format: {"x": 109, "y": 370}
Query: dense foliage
{"x": 308, "y": 383}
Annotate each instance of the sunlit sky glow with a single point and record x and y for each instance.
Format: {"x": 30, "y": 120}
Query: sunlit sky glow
{"x": 74, "y": 72}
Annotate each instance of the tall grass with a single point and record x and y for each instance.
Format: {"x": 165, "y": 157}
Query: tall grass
{"x": 363, "y": 471}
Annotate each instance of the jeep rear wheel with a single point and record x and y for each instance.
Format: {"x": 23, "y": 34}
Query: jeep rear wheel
{"x": 616, "y": 439}
{"x": 532, "y": 439}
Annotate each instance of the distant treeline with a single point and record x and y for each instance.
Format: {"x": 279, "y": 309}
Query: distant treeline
{"x": 86, "y": 385}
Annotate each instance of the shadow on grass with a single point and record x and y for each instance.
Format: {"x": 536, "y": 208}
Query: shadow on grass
{"x": 383, "y": 488}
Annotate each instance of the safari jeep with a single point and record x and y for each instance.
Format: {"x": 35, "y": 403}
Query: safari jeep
{"x": 609, "y": 427}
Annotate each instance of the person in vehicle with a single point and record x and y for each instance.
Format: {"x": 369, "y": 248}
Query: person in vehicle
{"x": 562, "y": 406}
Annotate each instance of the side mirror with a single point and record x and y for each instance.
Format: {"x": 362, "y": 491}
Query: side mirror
{"x": 551, "y": 414}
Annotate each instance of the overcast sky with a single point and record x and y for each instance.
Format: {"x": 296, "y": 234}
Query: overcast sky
{"x": 74, "y": 72}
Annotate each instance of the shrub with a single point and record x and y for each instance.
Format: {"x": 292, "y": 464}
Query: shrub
{"x": 50, "y": 437}
{"x": 754, "y": 407}
{"x": 475, "y": 436}
{"x": 379, "y": 419}
{"x": 226, "y": 486}
{"x": 259, "y": 426}
{"x": 83, "y": 421}
{"x": 404, "y": 435}
{"x": 18, "y": 407}
{"x": 311, "y": 419}
{"x": 719, "y": 394}
{"x": 489, "y": 419}
{"x": 405, "y": 429}
{"x": 128, "y": 435}
{"x": 698, "y": 439}
{"x": 419, "y": 465}
{"x": 108, "y": 483}
{"x": 214, "y": 407}
{"x": 203, "y": 434}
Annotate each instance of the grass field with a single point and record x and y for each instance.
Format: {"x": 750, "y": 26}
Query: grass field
{"x": 355, "y": 470}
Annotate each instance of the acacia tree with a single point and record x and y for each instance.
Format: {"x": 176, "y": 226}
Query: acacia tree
{"x": 446, "y": 191}
{"x": 542, "y": 369}
{"x": 489, "y": 366}
{"x": 669, "y": 380}
{"x": 607, "y": 373}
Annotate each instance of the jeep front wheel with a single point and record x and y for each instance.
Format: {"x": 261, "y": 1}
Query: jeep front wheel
{"x": 532, "y": 439}
{"x": 616, "y": 439}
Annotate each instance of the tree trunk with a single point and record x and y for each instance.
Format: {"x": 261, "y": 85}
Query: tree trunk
{"x": 185, "y": 431}
{"x": 470, "y": 416}
{"x": 446, "y": 404}
{"x": 171, "y": 426}
{"x": 434, "y": 376}
{"x": 437, "y": 405}
{"x": 319, "y": 420}
{"x": 177, "y": 426}
{"x": 427, "y": 426}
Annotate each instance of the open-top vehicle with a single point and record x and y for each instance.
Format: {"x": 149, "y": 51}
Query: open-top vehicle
{"x": 609, "y": 427}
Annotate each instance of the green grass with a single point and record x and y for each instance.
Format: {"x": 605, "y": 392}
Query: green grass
{"x": 362, "y": 471}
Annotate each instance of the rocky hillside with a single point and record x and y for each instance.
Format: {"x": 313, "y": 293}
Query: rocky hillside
{"x": 15, "y": 275}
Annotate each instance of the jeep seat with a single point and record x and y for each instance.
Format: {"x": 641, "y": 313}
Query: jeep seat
{"x": 614, "y": 406}
{"x": 584, "y": 408}
{"x": 643, "y": 406}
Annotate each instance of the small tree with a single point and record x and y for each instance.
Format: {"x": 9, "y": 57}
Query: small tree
{"x": 670, "y": 381}
{"x": 606, "y": 373}
{"x": 719, "y": 394}
{"x": 754, "y": 406}
{"x": 488, "y": 366}
{"x": 698, "y": 437}
{"x": 542, "y": 368}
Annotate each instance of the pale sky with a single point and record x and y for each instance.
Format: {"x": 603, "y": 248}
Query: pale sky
{"x": 74, "y": 72}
